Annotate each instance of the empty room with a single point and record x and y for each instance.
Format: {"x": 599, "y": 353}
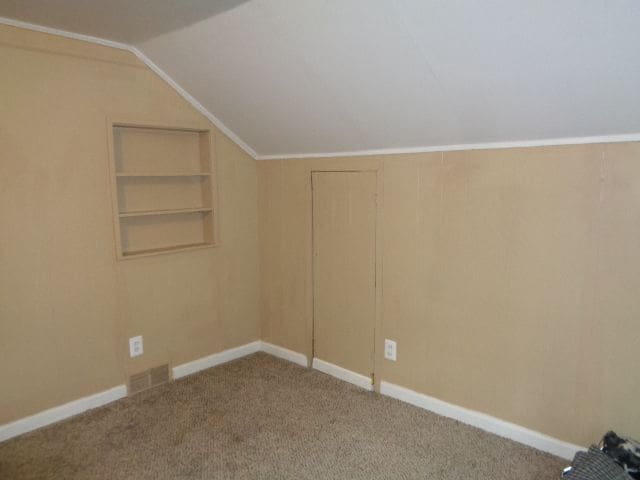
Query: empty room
{"x": 319, "y": 239}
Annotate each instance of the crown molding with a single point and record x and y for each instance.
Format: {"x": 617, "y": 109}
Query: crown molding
{"x": 63, "y": 33}
{"x": 195, "y": 103}
{"x": 147, "y": 61}
{"x": 630, "y": 137}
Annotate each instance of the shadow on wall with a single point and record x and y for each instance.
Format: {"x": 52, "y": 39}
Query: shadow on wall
{"x": 120, "y": 20}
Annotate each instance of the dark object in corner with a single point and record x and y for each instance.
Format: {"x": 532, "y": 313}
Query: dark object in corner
{"x": 617, "y": 458}
{"x": 594, "y": 465}
{"x": 624, "y": 451}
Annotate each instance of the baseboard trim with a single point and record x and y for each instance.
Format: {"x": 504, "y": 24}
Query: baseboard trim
{"x": 483, "y": 421}
{"x": 284, "y": 353}
{"x": 219, "y": 358}
{"x": 61, "y": 412}
{"x": 343, "y": 374}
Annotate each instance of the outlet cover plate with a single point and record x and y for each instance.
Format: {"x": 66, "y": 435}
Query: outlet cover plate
{"x": 135, "y": 346}
{"x": 390, "y": 349}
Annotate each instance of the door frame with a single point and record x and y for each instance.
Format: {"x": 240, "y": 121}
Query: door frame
{"x": 377, "y": 322}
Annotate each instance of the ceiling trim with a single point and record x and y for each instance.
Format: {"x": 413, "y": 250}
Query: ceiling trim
{"x": 147, "y": 61}
{"x": 63, "y": 33}
{"x": 196, "y": 104}
{"x": 630, "y": 137}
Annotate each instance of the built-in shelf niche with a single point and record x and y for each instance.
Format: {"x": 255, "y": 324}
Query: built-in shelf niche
{"x": 163, "y": 182}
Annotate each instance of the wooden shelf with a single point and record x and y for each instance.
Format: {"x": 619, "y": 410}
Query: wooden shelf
{"x": 175, "y": 211}
{"x": 166, "y": 174}
{"x": 174, "y": 248}
{"x": 158, "y": 173}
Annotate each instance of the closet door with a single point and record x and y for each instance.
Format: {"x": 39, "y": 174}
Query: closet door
{"x": 344, "y": 273}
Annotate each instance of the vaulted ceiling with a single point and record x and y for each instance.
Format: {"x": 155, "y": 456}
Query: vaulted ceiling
{"x": 315, "y": 76}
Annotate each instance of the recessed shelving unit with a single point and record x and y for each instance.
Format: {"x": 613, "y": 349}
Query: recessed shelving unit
{"x": 163, "y": 188}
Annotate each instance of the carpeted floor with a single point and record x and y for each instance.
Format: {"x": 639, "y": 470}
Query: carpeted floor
{"x": 261, "y": 417}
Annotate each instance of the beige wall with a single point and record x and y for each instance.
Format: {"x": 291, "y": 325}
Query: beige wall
{"x": 510, "y": 279}
{"x": 67, "y": 306}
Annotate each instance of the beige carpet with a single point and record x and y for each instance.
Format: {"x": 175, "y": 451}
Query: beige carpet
{"x": 261, "y": 417}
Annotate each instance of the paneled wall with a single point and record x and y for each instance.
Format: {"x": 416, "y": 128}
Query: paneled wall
{"x": 67, "y": 307}
{"x": 510, "y": 278}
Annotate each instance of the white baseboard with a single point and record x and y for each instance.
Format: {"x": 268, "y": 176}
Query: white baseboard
{"x": 75, "y": 407}
{"x": 483, "y": 421}
{"x": 361, "y": 381}
{"x": 284, "y": 353}
{"x": 219, "y": 358}
{"x": 235, "y": 353}
{"x": 55, "y": 414}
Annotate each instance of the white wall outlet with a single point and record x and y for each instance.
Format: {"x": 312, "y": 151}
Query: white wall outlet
{"x": 135, "y": 346}
{"x": 389, "y": 349}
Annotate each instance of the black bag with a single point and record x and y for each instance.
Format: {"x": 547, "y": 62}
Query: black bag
{"x": 594, "y": 465}
{"x": 624, "y": 451}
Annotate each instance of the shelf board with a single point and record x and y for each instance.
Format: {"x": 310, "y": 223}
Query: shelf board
{"x": 163, "y": 174}
{"x": 147, "y": 213}
{"x": 159, "y": 251}
{"x": 153, "y": 126}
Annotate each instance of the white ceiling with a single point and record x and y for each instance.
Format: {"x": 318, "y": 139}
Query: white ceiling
{"x": 315, "y": 76}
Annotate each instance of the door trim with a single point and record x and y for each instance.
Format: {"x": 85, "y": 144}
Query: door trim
{"x": 343, "y": 374}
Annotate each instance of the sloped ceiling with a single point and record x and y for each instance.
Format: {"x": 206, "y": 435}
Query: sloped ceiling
{"x": 315, "y": 76}
{"x": 125, "y": 21}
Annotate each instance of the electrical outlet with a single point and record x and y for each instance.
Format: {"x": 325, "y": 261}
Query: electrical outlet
{"x": 389, "y": 349}
{"x": 135, "y": 346}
